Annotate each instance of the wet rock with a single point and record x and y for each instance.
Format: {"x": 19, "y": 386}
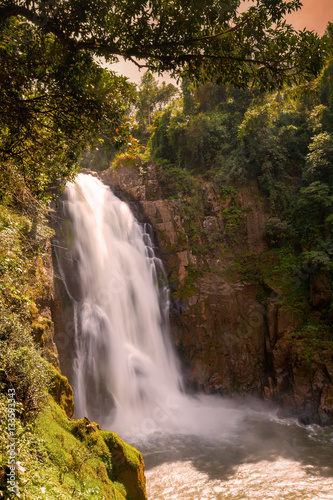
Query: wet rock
{"x": 325, "y": 410}
{"x": 228, "y": 339}
{"x": 320, "y": 291}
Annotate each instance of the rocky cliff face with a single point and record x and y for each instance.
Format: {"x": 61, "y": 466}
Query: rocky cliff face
{"x": 233, "y": 322}
{"x": 45, "y": 332}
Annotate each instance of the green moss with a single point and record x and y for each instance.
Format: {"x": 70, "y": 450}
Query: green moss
{"x": 188, "y": 289}
{"x": 75, "y": 459}
{"x": 312, "y": 344}
{"x": 127, "y": 465}
{"x": 61, "y": 391}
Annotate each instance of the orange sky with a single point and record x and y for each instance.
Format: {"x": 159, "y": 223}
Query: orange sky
{"x": 314, "y": 16}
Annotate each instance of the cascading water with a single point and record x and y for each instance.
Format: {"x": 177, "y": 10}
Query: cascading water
{"x": 124, "y": 366}
{"x": 126, "y": 377}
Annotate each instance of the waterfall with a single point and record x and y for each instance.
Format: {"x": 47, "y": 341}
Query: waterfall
{"x": 125, "y": 372}
{"x": 125, "y": 375}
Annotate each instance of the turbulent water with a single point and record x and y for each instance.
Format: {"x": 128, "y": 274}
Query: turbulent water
{"x": 126, "y": 376}
{"x": 261, "y": 458}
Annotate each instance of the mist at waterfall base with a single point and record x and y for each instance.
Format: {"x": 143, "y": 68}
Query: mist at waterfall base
{"x": 127, "y": 378}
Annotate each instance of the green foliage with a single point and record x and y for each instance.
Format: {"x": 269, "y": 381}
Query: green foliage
{"x": 281, "y": 270}
{"x": 319, "y": 161}
{"x": 174, "y": 181}
{"x": 54, "y": 104}
{"x": 233, "y": 217}
{"x": 57, "y": 100}
{"x": 311, "y": 342}
{"x": 201, "y": 136}
{"x": 314, "y": 204}
{"x": 21, "y": 364}
{"x": 273, "y": 139}
{"x": 287, "y": 146}
{"x": 317, "y": 261}
{"x": 200, "y": 41}
{"x": 152, "y": 97}
{"x": 277, "y": 231}
{"x": 130, "y": 154}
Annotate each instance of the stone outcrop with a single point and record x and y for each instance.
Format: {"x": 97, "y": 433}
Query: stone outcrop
{"x": 320, "y": 291}
{"x": 62, "y": 392}
{"x": 302, "y": 380}
{"x": 231, "y": 329}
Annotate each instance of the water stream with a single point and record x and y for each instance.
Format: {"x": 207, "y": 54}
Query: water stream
{"x": 127, "y": 378}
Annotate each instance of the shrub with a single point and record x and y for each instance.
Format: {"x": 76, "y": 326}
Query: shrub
{"x": 277, "y": 231}
{"x": 22, "y": 366}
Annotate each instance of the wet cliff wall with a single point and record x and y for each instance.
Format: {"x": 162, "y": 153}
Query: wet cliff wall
{"x": 242, "y": 320}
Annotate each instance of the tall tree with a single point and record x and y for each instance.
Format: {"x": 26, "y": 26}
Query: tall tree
{"x": 54, "y": 103}
{"x": 151, "y": 97}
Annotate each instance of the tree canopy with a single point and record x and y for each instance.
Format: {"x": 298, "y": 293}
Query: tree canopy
{"x": 200, "y": 39}
{"x": 56, "y": 98}
{"x": 53, "y": 105}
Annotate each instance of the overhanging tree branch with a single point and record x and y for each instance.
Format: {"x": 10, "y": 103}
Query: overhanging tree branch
{"x": 166, "y": 53}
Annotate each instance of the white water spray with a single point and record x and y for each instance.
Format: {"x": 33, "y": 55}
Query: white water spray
{"x": 124, "y": 369}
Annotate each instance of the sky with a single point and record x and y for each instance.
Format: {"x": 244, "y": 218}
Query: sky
{"x": 314, "y": 16}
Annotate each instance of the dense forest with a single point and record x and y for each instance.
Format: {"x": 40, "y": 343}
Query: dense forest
{"x": 283, "y": 139}
{"x": 61, "y": 111}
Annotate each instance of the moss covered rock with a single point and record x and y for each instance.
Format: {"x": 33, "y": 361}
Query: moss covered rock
{"x": 62, "y": 392}
{"x": 76, "y": 459}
